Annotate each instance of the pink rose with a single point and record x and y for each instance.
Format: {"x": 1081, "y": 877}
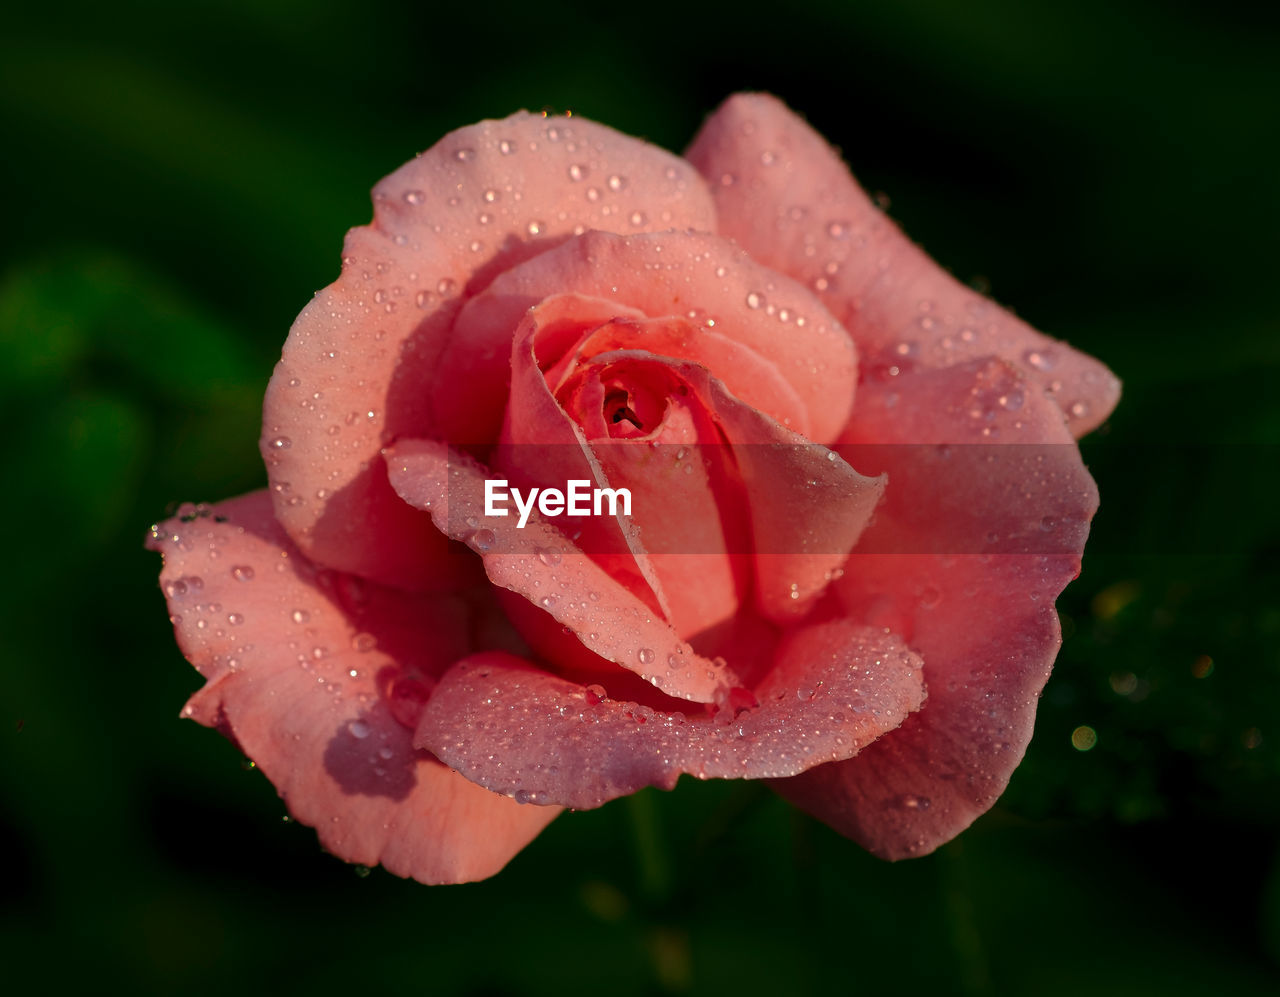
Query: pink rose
{"x": 823, "y": 581}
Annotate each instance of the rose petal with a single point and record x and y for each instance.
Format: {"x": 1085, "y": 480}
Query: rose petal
{"x": 691, "y": 274}
{"x": 541, "y": 564}
{"x": 787, "y": 197}
{"x": 687, "y": 529}
{"x": 303, "y": 669}
{"x": 984, "y": 624}
{"x": 519, "y": 730}
{"x": 358, "y": 368}
{"x": 808, "y": 507}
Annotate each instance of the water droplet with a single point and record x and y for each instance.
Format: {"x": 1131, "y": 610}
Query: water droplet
{"x": 1079, "y": 410}
{"x": 930, "y": 597}
{"x": 646, "y": 655}
{"x": 414, "y": 196}
{"x": 838, "y": 230}
{"x": 464, "y": 155}
{"x": 484, "y": 539}
{"x": 804, "y": 693}
{"x": 242, "y": 573}
{"x": 446, "y": 286}
{"x": 506, "y": 148}
{"x": 754, "y": 299}
{"x": 549, "y": 556}
{"x": 363, "y": 642}
{"x": 235, "y": 619}
{"x": 406, "y": 699}
{"x": 595, "y": 694}
{"x": 1040, "y": 359}
{"x": 548, "y": 601}
{"x": 358, "y": 729}
{"x": 617, "y": 183}
{"x": 281, "y": 443}
{"x": 300, "y": 616}
{"x": 577, "y": 172}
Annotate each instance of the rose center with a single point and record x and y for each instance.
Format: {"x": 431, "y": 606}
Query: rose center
{"x": 617, "y": 407}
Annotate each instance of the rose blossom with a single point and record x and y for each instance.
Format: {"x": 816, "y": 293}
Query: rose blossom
{"x": 742, "y": 339}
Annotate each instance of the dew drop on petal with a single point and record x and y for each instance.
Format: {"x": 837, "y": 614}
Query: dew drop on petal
{"x": 1041, "y": 359}
{"x": 358, "y": 729}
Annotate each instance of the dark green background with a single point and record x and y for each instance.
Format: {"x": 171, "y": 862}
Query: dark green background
{"x": 177, "y": 180}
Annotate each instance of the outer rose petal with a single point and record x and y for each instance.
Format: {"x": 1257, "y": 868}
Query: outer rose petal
{"x": 361, "y": 358}
{"x": 294, "y": 660}
{"x": 984, "y": 624}
{"x": 786, "y": 196}
{"x": 667, "y": 273}
{"x": 833, "y": 689}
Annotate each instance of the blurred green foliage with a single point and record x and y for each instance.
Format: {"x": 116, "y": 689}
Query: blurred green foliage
{"x": 179, "y": 179}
